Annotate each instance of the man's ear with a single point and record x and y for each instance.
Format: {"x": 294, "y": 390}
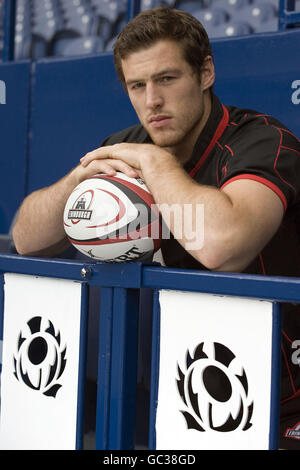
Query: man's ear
{"x": 207, "y": 73}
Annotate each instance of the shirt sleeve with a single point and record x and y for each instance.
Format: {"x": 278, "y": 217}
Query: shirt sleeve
{"x": 267, "y": 154}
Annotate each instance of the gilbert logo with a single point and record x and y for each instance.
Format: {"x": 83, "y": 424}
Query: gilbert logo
{"x": 293, "y": 433}
{"x": 2, "y": 92}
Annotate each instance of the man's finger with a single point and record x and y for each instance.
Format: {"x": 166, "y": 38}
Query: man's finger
{"x": 110, "y": 167}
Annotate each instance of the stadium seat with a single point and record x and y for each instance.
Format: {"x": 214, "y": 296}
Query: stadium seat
{"x": 267, "y": 26}
{"x": 276, "y": 3}
{"x": 236, "y": 29}
{"x": 193, "y": 5}
{"x": 96, "y": 3}
{"x": 110, "y": 10}
{"x": 22, "y": 27}
{"x": 78, "y": 46}
{"x": 110, "y": 44}
{"x": 109, "y": 18}
{"x": 39, "y": 47}
{"x": 211, "y": 17}
{"x": 258, "y": 14}
{"x": 73, "y": 4}
{"x": 39, "y": 6}
{"x": 47, "y": 28}
{"x": 147, "y": 4}
{"x": 22, "y": 46}
{"x": 74, "y": 8}
{"x": 84, "y": 24}
{"x": 23, "y": 15}
{"x": 232, "y": 5}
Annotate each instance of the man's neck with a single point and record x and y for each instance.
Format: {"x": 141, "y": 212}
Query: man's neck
{"x": 183, "y": 151}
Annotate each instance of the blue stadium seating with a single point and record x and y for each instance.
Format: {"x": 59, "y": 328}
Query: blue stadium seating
{"x": 84, "y": 24}
{"x": 78, "y": 46}
{"x": 41, "y": 23}
{"x": 261, "y": 15}
{"x": 192, "y": 6}
{"x": 234, "y": 28}
{"x": 147, "y": 4}
{"x": 212, "y": 17}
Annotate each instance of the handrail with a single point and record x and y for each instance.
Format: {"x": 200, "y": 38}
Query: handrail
{"x": 287, "y": 16}
{"x": 140, "y": 275}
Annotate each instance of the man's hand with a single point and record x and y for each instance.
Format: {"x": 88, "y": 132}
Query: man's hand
{"x": 128, "y": 158}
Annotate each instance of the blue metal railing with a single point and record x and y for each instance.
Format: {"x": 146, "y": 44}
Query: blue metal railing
{"x": 287, "y": 16}
{"x": 121, "y": 284}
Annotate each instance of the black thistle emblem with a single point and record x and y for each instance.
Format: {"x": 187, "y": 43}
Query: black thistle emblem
{"x": 40, "y": 359}
{"x": 214, "y": 394}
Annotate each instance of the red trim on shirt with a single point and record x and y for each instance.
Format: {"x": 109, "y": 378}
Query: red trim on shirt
{"x": 230, "y": 150}
{"x": 262, "y": 264}
{"x": 219, "y": 131}
{"x": 288, "y": 148}
{"x": 264, "y": 181}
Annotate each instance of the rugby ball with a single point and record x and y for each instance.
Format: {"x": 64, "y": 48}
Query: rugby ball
{"x": 113, "y": 219}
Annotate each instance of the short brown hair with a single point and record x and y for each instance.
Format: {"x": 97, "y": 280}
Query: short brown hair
{"x": 150, "y": 26}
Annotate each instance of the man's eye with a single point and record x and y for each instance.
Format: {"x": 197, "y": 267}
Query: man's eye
{"x": 136, "y": 86}
{"x": 166, "y": 79}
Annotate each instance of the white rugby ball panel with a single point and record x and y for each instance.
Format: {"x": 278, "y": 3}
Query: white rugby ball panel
{"x": 106, "y": 216}
{"x": 119, "y": 252}
{"x": 109, "y": 207}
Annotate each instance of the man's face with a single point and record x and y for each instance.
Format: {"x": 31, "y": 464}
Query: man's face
{"x": 167, "y": 95}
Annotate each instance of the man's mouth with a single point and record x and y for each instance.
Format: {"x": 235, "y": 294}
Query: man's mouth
{"x": 159, "y": 120}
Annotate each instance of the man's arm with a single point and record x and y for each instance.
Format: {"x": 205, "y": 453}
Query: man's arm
{"x": 39, "y": 229}
{"x": 238, "y": 220}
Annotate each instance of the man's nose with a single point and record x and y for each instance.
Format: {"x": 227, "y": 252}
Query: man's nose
{"x": 154, "y": 97}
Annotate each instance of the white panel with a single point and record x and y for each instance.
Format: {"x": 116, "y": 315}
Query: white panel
{"x": 40, "y": 363}
{"x": 233, "y": 328}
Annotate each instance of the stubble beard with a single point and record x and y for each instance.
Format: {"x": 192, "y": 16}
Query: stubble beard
{"x": 180, "y": 144}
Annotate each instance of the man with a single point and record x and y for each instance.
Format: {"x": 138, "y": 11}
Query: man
{"x": 241, "y": 166}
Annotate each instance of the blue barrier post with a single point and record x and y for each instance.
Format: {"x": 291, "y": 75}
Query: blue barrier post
{"x": 222, "y": 287}
{"x": 9, "y": 30}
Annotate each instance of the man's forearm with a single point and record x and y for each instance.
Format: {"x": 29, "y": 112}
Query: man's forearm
{"x": 230, "y": 228}
{"x": 198, "y": 216}
{"x": 39, "y": 226}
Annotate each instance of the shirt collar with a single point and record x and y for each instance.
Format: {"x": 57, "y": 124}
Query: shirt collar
{"x": 207, "y": 134}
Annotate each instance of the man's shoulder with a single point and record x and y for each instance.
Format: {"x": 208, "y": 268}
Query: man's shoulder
{"x": 245, "y": 117}
{"x": 134, "y": 134}
{"x": 259, "y": 127}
